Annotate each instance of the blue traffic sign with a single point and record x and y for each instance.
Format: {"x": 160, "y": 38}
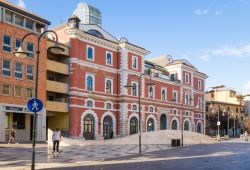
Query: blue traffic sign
{"x": 35, "y": 105}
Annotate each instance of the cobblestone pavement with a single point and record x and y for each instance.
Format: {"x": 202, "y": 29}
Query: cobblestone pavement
{"x": 18, "y": 156}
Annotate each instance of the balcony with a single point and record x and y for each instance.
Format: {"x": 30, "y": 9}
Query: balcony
{"x": 57, "y": 87}
{"x": 56, "y": 106}
{"x": 57, "y": 67}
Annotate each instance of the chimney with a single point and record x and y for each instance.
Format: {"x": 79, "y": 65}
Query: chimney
{"x": 73, "y": 22}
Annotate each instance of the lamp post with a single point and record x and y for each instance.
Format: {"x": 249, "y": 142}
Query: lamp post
{"x": 139, "y": 100}
{"x": 218, "y": 122}
{"x": 56, "y": 49}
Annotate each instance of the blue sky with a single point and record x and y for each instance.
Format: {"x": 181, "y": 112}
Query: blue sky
{"x": 213, "y": 35}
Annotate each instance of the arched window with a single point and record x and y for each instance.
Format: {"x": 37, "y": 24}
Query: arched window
{"x": 108, "y": 86}
{"x": 150, "y": 125}
{"x": 108, "y": 128}
{"x": 163, "y": 122}
{"x": 89, "y": 103}
{"x": 151, "y": 92}
{"x": 199, "y": 127}
{"x": 151, "y": 109}
{"x": 90, "y": 83}
{"x": 163, "y": 95}
{"x": 134, "y": 107}
{"x": 133, "y": 125}
{"x": 174, "y": 125}
{"x": 109, "y": 59}
{"x": 134, "y": 89}
{"x": 186, "y": 97}
{"x": 90, "y": 53}
{"x": 95, "y": 33}
{"x": 186, "y": 126}
{"x": 88, "y": 131}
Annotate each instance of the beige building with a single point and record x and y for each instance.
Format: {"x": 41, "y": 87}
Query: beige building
{"x": 57, "y": 88}
{"x": 226, "y": 111}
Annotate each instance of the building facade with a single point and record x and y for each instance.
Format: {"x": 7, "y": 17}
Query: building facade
{"x": 100, "y": 105}
{"x": 224, "y": 103}
{"x": 17, "y": 79}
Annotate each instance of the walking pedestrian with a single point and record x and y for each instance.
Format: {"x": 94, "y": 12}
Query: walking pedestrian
{"x": 56, "y": 138}
{"x": 12, "y": 136}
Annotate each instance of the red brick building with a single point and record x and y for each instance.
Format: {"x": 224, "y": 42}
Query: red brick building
{"x": 100, "y": 67}
{"x": 17, "y": 79}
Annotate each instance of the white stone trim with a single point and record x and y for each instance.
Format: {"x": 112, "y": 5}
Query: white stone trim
{"x": 137, "y": 62}
{"x": 108, "y": 113}
{"x": 105, "y": 105}
{"x": 86, "y": 101}
{"x": 86, "y": 82}
{"x": 112, "y": 89}
{"x": 91, "y": 112}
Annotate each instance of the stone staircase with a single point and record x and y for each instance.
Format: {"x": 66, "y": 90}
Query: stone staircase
{"x": 156, "y": 137}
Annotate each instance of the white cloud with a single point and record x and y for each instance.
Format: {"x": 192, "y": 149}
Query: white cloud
{"x": 240, "y": 51}
{"x": 21, "y": 3}
{"x": 201, "y": 11}
{"x": 246, "y": 88}
{"x": 217, "y": 12}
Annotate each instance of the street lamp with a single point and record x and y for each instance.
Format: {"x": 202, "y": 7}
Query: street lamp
{"x": 56, "y": 49}
{"x": 139, "y": 98}
{"x": 218, "y": 122}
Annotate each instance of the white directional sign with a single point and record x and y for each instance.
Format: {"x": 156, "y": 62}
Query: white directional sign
{"x": 218, "y": 123}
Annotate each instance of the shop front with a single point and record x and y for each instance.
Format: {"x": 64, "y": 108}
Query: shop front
{"x": 20, "y": 119}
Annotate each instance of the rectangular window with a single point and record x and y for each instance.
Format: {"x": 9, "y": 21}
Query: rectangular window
{"x": 29, "y": 93}
{"x": 18, "y": 44}
{"x": 6, "y": 43}
{"x": 18, "y": 20}
{"x": 186, "y": 78}
{"x": 30, "y": 50}
{"x": 135, "y": 62}
{"x": 6, "y": 70}
{"x": 8, "y": 16}
{"x": 199, "y": 84}
{"x": 30, "y": 72}
{"x": 19, "y": 70}
{"x": 6, "y": 89}
{"x": 19, "y": 120}
{"x": 175, "y": 97}
{"x": 29, "y": 24}
{"x": 18, "y": 91}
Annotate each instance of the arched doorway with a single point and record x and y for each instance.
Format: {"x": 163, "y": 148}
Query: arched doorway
{"x": 186, "y": 126}
{"x": 199, "y": 127}
{"x": 133, "y": 125}
{"x": 174, "y": 125}
{"x": 88, "y": 127}
{"x": 108, "y": 128}
{"x": 150, "y": 125}
{"x": 163, "y": 122}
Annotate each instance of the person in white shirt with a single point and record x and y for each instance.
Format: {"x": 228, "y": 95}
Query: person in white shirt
{"x": 56, "y": 137}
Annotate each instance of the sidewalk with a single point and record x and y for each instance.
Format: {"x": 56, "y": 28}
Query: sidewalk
{"x": 18, "y": 156}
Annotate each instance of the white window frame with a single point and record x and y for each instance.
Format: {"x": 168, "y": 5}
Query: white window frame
{"x": 109, "y": 64}
{"x": 199, "y": 84}
{"x": 86, "y": 82}
{"x": 7, "y": 45}
{"x": 32, "y": 52}
{"x": 174, "y": 91}
{"x": 187, "y": 78}
{"x": 86, "y": 102}
{"x": 108, "y": 102}
{"x": 32, "y": 91}
{"x": 137, "y": 90}
{"x": 9, "y": 89}
{"x": 5, "y": 68}
{"x": 175, "y": 110}
{"x": 137, "y": 62}
{"x": 137, "y": 107}
{"x": 151, "y": 106}
{"x": 149, "y": 92}
{"x": 93, "y": 48}
{"x": 20, "y": 72}
{"x": 29, "y": 73}
{"x": 187, "y": 113}
{"x": 166, "y": 96}
{"x": 15, "y": 91}
{"x": 106, "y": 79}
{"x": 199, "y": 103}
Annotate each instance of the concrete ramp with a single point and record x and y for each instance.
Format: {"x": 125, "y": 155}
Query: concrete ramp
{"x": 156, "y": 137}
